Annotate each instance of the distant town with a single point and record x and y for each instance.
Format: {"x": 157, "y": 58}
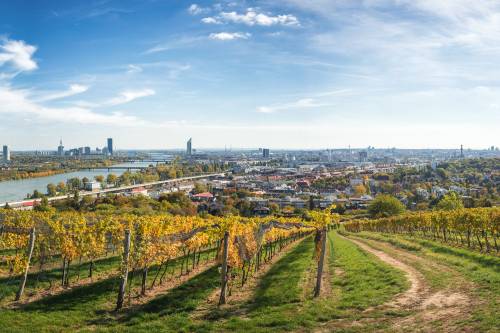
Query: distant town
{"x": 254, "y": 182}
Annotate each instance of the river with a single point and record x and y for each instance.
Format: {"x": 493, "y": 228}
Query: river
{"x": 15, "y": 190}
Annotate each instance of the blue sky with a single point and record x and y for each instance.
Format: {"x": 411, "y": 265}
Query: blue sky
{"x": 280, "y": 74}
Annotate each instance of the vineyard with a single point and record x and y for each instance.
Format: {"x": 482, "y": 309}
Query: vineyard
{"x": 110, "y": 273}
{"x": 241, "y": 245}
{"x": 475, "y": 228}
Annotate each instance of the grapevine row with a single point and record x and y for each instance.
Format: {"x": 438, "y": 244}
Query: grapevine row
{"x": 143, "y": 242}
{"x": 474, "y": 227}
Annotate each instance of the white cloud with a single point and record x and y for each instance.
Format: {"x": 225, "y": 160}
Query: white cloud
{"x": 252, "y": 17}
{"x": 17, "y": 101}
{"x": 304, "y": 103}
{"x": 129, "y": 95}
{"x": 210, "y": 20}
{"x": 73, "y": 89}
{"x": 18, "y": 54}
{"x": 195, "y": 9}
{"x": 229, "y": 35}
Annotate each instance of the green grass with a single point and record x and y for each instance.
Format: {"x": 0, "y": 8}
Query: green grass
{"x": 91, "y": 305}
{"x": 481, "y": 269}
{"x": 279, "y": 303}
{"x": 39, "y": 281}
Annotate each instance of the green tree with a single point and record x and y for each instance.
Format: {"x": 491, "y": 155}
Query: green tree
{"x": 199, "y": 188}
{"x": 74, "y": 183}
{"x": 36, "y": 194}
{"x": 43, "y": 206}
{"x": 51, "y": 190}
{"x": 450, "y": 201}
{"x": 99, "y": 178}
{"x": 385, "y": 205}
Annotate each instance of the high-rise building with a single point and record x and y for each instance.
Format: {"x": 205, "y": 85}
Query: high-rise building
{"x": 189, "y": 147}
{"x": 86, "y": 150}
{"x": 265, "y": 153}
{"x": 461, "y": 151}
{"x": 60, "y": 148}
{"x": 363, "y": 156}
{"x": 110, "y": 146}
{"x": 6, "y": 154}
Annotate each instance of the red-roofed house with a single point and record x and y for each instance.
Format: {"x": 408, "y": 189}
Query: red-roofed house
{"x": 139, "y": 191}
{"x": 205, "y": 196}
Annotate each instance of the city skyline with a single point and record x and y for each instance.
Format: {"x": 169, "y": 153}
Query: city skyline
{"x": 284, "y": 75}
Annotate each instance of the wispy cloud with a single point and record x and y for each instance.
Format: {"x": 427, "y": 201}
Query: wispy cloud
{"x": 128, "y": 96}
{"x": 132, "y": 69}
{"x": 176, "y": 43}
{"x": 253, "y": 17}
{"x": 15, "y": 101}
{"x": 317, "y": 100}
{"x": 229, "y": 35}
{"x": 73, "y": 89}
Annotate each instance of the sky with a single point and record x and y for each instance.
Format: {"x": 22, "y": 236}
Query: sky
{"x": 311, "y": 74}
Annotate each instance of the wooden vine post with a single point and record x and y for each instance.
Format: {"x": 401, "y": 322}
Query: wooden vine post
{"x": 223, "y": 276}
{"x": 31, "y": 246}
{"x": 321, "y": 262}
{"x": 124, "y": 270}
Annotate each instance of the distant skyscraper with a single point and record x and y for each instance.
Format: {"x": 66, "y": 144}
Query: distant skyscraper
{"x": 86, "y": 150}
{"x": 265, "y": 153}
{"x": 6, "y": 154}
{"x": 189, "y": 147}
{"x": 110, "y": 146}
{"x": 363, "y": 156}
{"x": 60, "y": 149}
{"x": 461, "y": 151}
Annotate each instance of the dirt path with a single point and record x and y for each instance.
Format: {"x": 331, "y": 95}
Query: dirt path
{"x": 418, "y": 288}
{"x": 430, "y": 310}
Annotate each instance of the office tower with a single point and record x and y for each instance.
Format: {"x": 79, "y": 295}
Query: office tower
{"x": 461, "y": 151}
{"x": 110, "y": 146}
{"x": 265, "y": 153}
{"x": 86, "y": 150}
{"x": 189, "y": 148}
{"x": 363, "y": 156}
{"x": 60, "y": 149}
{"x": 6, "y": 154}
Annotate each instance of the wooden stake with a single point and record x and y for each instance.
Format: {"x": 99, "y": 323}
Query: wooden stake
{"x": 31, "y": 246}
{"x": 223, "y": 276}
{"x": 321, "y": 262}
{"x": 123, "y": 283}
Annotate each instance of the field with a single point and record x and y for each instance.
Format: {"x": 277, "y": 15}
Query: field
{"x": 371, "y": 282}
